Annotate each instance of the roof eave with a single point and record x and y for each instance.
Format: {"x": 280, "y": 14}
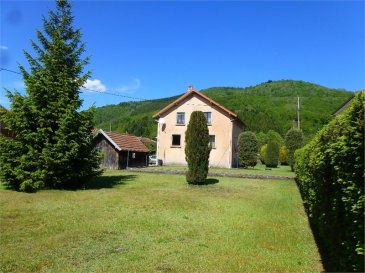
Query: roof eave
{"x": 110, "y": 140}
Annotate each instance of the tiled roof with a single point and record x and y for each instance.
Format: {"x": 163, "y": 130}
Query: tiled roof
{"x": 191, "y": 91}
{"x": 146, "y": 140}
{"x": 124, "y": 142}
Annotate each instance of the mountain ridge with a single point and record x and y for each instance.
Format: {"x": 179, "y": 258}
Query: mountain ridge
{"x": 267, "y": 106}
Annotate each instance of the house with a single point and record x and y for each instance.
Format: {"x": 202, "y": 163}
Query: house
{"x": 121, "y": 151}
{"x": 224, "y": 128}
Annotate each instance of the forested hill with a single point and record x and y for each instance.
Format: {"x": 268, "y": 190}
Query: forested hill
{"x": 270, "y": 105}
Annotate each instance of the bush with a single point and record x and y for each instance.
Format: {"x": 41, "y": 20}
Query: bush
{"x": 283, "y": 155}
{"x": 330, "y": 176}
{"x": 263, "y": 153}
{"x": 247, "y": 149}
{"x": 261, "y": 138}
{"x": 273, "y": 135}
{"x": 197, "y": 148}
{"x": 272, "y": 154}
{"x": 293, "y": 141}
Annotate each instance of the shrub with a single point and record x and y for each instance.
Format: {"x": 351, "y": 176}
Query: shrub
{"x": 263, "y": 153}
{"x": 262, "y": 139}
{"x": 272, "y": 154}
{"x": 283, "y": 155}
{"x": 293, "y": 141}
{"x": 247, "y": 149}
{"x": 330, "y": 176}
{"x": 197, "y": 148}
{"x": 273, "y": 135}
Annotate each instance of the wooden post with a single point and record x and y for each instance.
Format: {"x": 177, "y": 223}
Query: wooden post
{"x": 127, "y": 159}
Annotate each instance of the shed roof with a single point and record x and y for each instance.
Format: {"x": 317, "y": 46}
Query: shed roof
{"x": 124, "y": 142}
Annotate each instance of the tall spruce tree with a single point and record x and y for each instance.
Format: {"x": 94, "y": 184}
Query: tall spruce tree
{"x": 197, "y": 148}
{"x": 53, "y": 144}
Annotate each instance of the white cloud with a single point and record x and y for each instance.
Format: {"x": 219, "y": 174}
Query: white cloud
{"x": 94, "y": 85}
{"x": 3, "y": 47}
{"x": 130, "y": 87}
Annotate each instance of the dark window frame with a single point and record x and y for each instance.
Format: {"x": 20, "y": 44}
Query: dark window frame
{"x": 208, "y": 117}
{"x": 212, "y": 144}
{"x": 180, "y": 118}
{"x": 176, "y": 140}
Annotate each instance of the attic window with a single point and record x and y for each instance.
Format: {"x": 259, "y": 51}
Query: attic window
{"x": 180, "y": 118}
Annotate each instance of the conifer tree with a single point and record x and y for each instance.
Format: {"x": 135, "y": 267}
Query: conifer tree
{"x": 53, "y": 144}
{"x": 293, "y": 141}
{"x": 197, "y": 148}
{"x": 247, "y": 149}
{"x": 272, "y": 154}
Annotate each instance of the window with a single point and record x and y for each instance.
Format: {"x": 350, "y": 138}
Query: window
{"x": 176, "y": 140}
{"x": 212, "y": 141}
{"x": 180, "y": 118}
{"x": 208, "y": 117}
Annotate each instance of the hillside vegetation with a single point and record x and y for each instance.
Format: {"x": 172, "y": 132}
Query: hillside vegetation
{"x": 270, "y": 105}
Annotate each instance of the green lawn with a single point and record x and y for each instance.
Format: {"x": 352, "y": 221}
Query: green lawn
{"x": 257, "y": 170}
{"x": 133, "y": 222}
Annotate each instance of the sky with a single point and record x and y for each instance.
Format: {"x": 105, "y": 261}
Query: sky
{"x": 156, "y": 49}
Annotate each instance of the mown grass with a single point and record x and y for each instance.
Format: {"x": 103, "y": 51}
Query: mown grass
{"x": 128, "y": 222}
{"x": 259, "y": 169}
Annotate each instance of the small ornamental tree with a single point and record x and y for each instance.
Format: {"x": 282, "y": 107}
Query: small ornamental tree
{"x": 197, "y": 148}
{"x": 53, "y": 144}
{"x": 263, "y": 153}
{"x": 271, "y": 134}
{"x": 262, "y": 139}
{"x": 247, "y": 149}
{"x": 272, "y": 154}
{"x": 283, "y": 155}
{"x": 293, "y": 141}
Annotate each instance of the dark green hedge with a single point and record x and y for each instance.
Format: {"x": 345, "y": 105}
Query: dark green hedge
{"x": 330, "y": 176}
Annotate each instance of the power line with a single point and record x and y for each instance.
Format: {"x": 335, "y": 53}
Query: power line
{"x": 110, "y": 93}
{"x": 90, "y": 90}
{"x": 8, "y": 70}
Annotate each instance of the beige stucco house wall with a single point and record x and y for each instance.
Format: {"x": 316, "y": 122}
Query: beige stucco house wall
{"x": 224, "y": 128}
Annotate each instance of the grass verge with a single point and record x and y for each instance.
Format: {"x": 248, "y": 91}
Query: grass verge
{"x": 127, "y": 222}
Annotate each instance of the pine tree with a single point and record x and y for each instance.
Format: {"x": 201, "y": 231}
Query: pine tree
{"x": 247, "y": 149}
{"x": 197, "y": 148}
{"x": 53, "y": 140}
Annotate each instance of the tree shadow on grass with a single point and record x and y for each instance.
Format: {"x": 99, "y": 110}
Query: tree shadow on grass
{"x": 208, "y": 181}
{"x": 109, "y": 181}
{"x": 211, "y": 181}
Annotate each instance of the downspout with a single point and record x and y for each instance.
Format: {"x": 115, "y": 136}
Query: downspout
{"x": 158, "y": 142}
{"x": 230, "y": 145}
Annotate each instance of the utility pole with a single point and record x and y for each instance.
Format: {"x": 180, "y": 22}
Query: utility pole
{"x": 298, "y": 114}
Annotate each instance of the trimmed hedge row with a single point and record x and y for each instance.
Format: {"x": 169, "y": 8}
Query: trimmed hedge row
{"x": 330, "y": 176}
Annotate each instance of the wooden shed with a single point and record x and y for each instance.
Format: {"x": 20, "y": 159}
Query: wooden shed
{"x": 121, "y": 151}
{"x": 3, "y": 130}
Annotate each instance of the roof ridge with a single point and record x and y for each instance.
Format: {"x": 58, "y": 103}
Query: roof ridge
{"x": 192, "y": 90}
